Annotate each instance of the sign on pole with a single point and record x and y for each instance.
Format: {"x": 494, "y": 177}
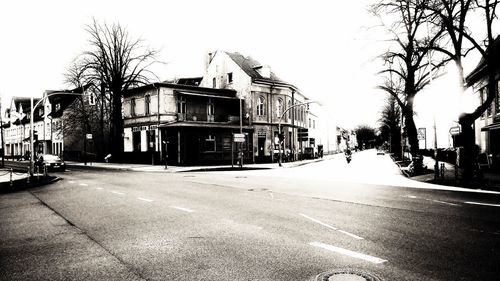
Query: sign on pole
{"x": 89, "y": 136}
{"x": 239, "y": 137}
{"x": 455, "y": 130}
{"x": 421, "y": 133}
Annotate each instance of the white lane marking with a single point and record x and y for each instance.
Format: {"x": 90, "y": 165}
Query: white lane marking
{"x": 99, "y": 188}
{"x": 332, "y": 227}
{"x": 145, "y": 199}
{"x": 182, "y": 209}
{"x": 447, "y": 203}
{"x": 410, "y": 196}
{"x": 117, "y": 192}
{"x": 482, "y": 204}
{"x": 84, "y": 184}
{"x": 348, "y": 252}
{"x": 71, "y": 181}
{"x": 320, "y": 222}
{"x": 350, "y": 234}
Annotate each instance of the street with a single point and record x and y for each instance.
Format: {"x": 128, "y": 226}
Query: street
{"x": 275, "y": 224}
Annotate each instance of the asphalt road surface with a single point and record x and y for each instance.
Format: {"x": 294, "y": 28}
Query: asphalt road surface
{"x": 278, "y": 224}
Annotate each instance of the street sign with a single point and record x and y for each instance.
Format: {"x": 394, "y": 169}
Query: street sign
{"x": 239, "y": 137}
{"x": 421, "y": 133}
{"x": 89, "y": 136}
{"x": 455, "y": 130}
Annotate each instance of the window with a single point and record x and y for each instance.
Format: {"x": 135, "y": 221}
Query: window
{"x": 210, "y": 143}
{"x": 488, "y": 111}
{"x": 214, "y": 83}
{"x": 181, "y": 105}
{"x": 260, "y": 106}
{"x": 314, "y": 124}
{"x": 147, "y": 103}
{"x": 230, "y": 77}
{"x": 291, "y": 109}
{"x": 279, "y": 108}
{"x": 132, "y": 106}
{"x": 58, "y": 106}
{"x": 309, "y": 122}
{"x": 497, "y": 99}
{"x": 210, "y": 107}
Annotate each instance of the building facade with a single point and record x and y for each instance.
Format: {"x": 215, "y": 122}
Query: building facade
{"x": 268, "y": 101}
{"x": 183, "y": 125}
{"x": 487, "y": 127}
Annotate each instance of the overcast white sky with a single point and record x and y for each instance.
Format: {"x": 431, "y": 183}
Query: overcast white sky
{"x": 323, "y": 47}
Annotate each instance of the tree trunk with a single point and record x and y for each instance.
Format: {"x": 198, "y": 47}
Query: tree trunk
{"x": 117, "y": 123}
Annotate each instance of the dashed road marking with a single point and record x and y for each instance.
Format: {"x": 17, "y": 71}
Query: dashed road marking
{"x": 320, "y": 222}
{"x": 410, "y": 196}
{"x": 350, "y": 234}
{"x": 99, "y": 188}
{"x": 145, "y": 199}
{"x": 432, "y": 200}
{"x": 117, "y": 192}
{"x": 182, "y": 209}
{"x": 71, "y": 181}
{"x": 482, "y": 204}
{"x": 84, "y": 184}
{"x": 333, "y": 227}
{"x": 444, "y": 202}
{"x": 346, "y": 252}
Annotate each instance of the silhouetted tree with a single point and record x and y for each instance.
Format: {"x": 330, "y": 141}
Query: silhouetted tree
{"x": 390, "y": 128}
{"x": 115, "y": 62}
{"x": 408, "y": 61}
{"x": 365, "y": 135}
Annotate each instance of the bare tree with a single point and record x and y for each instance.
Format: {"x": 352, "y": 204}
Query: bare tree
{"x": 116, "y": 62}
{"x": 408, "y": 61}
{"x": 390, "y": 119}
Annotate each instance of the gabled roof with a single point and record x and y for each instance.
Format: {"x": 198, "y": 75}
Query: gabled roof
{"x": 480, "y": 70}
{"x": 63, "y": 100}
{"x": 250, "y": 66}
{"x": 25, "y": 103}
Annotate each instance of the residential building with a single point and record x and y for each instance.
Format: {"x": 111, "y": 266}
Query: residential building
{"x": 268, "y": 102}
{"x": 487, "y": 127}
{"x": 183, "y": 125}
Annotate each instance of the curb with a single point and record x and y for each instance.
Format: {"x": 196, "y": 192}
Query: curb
{"x": 21, "y": 184}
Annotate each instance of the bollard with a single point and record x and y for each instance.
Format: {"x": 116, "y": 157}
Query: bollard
{"x": 10, "y": 177}
{"x": 442, "y": 170}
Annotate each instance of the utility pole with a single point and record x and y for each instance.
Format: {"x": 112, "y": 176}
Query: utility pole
{"x": 1, "y": 134}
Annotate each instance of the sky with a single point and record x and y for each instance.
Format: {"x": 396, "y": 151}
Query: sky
{"x": 326, "y": 48}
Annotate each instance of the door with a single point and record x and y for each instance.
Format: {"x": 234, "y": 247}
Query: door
{"x": 261, "y": 143}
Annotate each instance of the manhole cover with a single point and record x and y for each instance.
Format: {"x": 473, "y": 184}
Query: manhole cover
{"x": 347, "y": 274}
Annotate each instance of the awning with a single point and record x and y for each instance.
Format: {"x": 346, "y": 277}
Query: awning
{"x": 210, "y": 95}
{"x": 490, "y": 127}
{"x": 203, "y": 125}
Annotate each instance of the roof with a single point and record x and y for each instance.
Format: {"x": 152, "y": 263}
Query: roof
{"x": 250, "y": 66}
{"x": 193, "y": 81}
{"x": 63, "y": 100}
{"x": 480, "y": 70}
{"x": 25, "y": 103}
{"x": 187, "y": 88}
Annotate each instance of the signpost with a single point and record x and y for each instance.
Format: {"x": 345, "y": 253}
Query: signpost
{"x": 422, "y": 135}
{"x": 239, "y": 137}
{"x": 455, "y": 130}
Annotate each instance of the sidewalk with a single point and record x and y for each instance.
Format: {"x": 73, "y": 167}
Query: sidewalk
{"x": 448, "y": 177}
{"x": 177, "y": 169}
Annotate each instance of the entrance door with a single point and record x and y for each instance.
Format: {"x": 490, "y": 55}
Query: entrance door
{"x": 261, "y": 144}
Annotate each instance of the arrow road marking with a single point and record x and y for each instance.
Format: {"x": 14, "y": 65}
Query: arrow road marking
{"x": 483, "y": 204}
{"x": 347, "y": 252}
{"x": 182, "y": 209}
{"x": 145, "y": 199}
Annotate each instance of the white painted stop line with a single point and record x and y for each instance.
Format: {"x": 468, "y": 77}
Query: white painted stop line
{"x": 347, "y": 252}
{"x": 483, "y": 204}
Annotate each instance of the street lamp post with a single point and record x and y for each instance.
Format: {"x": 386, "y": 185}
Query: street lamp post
{"x": 279, "y": 126}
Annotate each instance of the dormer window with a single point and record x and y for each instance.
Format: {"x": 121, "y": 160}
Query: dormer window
{"x": 214, "y": 83}
{"x": 58, "y": 106}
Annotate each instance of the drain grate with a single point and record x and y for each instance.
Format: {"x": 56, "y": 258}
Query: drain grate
{"x": 347, "y": 274}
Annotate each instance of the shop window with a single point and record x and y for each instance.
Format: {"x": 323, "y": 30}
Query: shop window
{"x": 136, "y": 140}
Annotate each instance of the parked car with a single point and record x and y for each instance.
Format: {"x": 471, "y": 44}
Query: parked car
{"x": 53, "y": 162}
